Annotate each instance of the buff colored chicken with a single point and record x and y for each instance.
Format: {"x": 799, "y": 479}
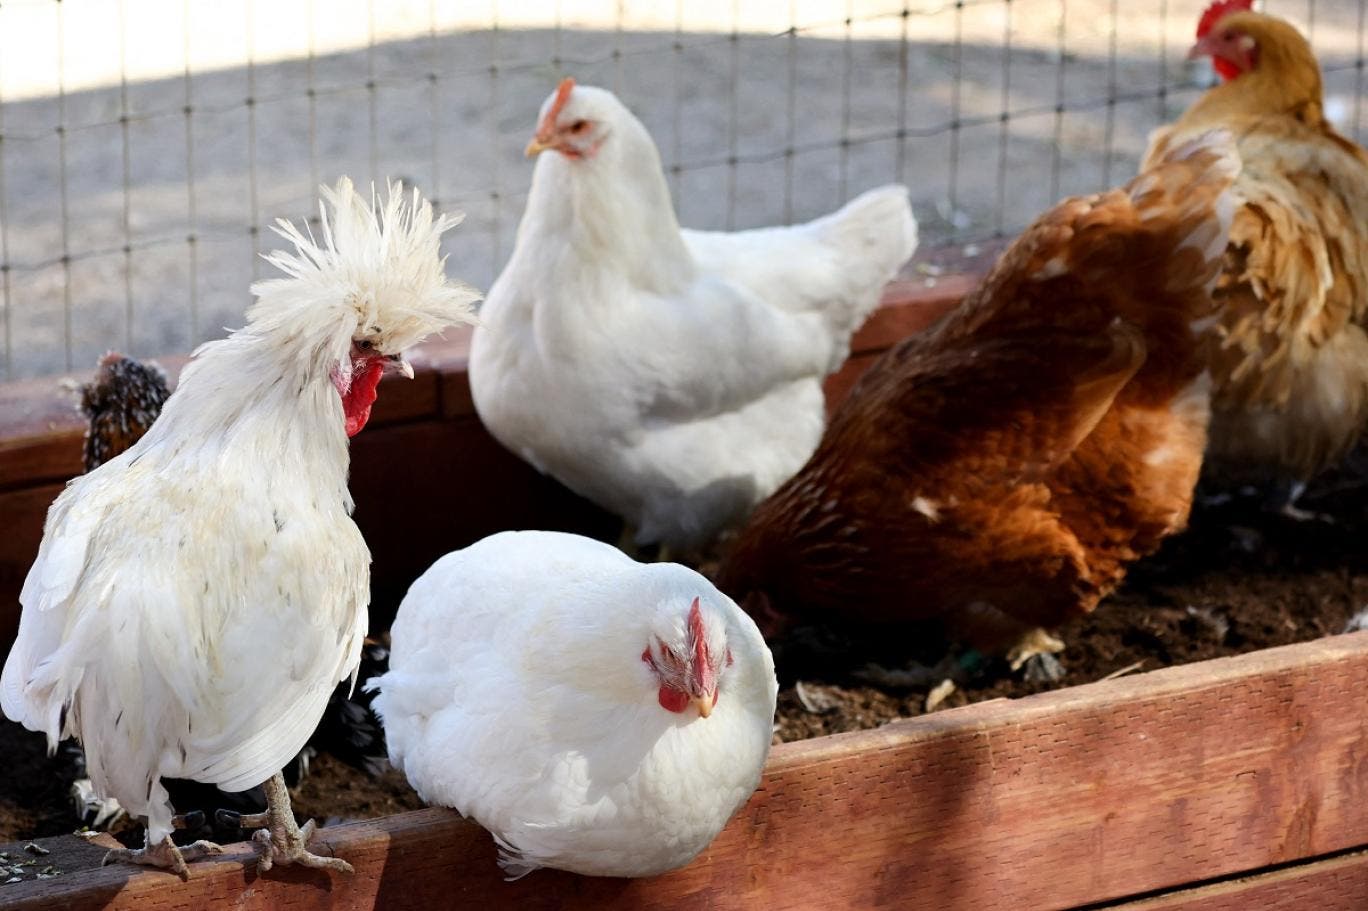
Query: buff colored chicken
{"x": 1289, "y": 354}
{"x": 998, "y": 472}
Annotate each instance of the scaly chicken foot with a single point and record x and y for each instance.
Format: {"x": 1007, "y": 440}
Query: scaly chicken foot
{"x": 283, "y": 841}
{"x": 1035, "y": 652}
{"x": 164, "y": 854}
{"x": 1283, "y": 501}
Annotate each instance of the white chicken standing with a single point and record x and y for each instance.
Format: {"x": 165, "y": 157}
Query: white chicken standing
{"x": 672, "y": 376}
{"x": 596, "y": 714}
{"x": 195, "y": 599}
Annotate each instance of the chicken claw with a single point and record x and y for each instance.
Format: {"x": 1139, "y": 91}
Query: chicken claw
{"x": 282, "y": 840}
{"x": 164, "y": 854}
{"x": 1042, "y": 668}
{"x": 1036, "y": 643}
{"x": 1283, "y": 502}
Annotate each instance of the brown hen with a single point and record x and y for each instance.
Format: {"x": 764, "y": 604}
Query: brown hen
{"x": 999, "y": 471}
{"x": 1289, "y": 354}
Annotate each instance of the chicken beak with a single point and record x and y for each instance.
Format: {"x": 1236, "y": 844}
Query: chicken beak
{"x": 400, "y": 365}
{"x": 705, "y": 704}
{"x": 538, "y": 145}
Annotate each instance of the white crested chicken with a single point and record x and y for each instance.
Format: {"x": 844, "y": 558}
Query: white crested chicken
{"x": 595, "y": 714}
{"x": 195, "y": 599}
{"x": 1289, "y": 351}
{"x": 121, "y": 402}
{"x": 671, "y": 376}
{"x": 998, "y": 472}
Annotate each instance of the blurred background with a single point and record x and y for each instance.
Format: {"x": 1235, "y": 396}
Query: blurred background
{"x": 146, "y": 145}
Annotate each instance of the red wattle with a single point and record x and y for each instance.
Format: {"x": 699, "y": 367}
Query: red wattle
{"x": 357, "y": 401}
{"x": 672, "y": 700}
{"x": 1213, "y": 14}
{"x": 1225, "y": 69}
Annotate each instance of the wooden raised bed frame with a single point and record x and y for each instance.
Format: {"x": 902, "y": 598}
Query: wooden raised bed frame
{"x": 1239, "y": 783}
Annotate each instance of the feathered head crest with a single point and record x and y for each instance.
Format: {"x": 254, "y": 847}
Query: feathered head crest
{"x": 377, "y": 271}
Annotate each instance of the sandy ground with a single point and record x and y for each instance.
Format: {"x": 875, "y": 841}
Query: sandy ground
{"x": 136, "y": 224}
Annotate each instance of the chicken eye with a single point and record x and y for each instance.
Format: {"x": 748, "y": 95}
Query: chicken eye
{"x": 579, "y": 126}
{"x": 365, "y": 344}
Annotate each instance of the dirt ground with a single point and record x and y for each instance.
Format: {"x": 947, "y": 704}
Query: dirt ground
{"x": 1240, "y": 579}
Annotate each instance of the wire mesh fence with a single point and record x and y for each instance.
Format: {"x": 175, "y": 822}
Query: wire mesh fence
{"x": 145, "y": 145}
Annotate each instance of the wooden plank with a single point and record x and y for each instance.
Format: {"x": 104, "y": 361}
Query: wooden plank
{"x": 25, "y": 511}
{"x": 1334, "y": 884}
{"x": 1054, "y": 801}
{"x": 838, "y": 385}
{"x": 41, "y": 428}
{"x": 425, "y": 489}
{"x": 909, "y": 307}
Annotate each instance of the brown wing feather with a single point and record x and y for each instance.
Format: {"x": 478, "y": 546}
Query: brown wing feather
{"x": 1008, "y": 457}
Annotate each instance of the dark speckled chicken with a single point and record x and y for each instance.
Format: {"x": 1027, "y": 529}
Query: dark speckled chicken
{"x": 999, "y": 472}
{"x": 121, "y": 402}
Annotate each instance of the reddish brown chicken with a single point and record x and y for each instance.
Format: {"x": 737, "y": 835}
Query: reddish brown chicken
{"x": 999, "y": 471}
{"x": 1289, "y": 354}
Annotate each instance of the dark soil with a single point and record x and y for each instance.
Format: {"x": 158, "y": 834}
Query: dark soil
{"x": 1240, "y": 579}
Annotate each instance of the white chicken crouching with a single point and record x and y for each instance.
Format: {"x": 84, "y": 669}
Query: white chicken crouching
{"x": 195, "y": 599}
{"x": 596, "y": 714}
{"x": 672, "y": 376}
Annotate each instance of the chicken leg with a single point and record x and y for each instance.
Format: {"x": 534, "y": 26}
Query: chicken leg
{"x": 164, "y": 854}
{"x": 1283, "y": 498}
{"x": 1035, "y": 651}
{"x": 280, "y": 839}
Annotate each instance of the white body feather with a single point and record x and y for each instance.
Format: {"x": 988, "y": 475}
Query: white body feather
{"x": 672, "y": 376}
{"x": 517, "y": 695}
{"x": 195, "y": 600}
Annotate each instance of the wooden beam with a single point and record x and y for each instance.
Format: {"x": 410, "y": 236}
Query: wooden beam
{"x": 1333, "y": 884}
{"x": 24, "y": 510}
{"x": 1055, "y": 801}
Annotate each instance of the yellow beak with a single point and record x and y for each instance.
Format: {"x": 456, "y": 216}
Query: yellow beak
{"x": 705, "y": 704}
{"x": 536, "y": 147}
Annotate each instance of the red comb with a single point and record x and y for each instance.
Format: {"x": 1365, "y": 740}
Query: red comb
{"x": 1219, "y": 10}
{"x": 548, "y": 124}
{"x": 695, "y": 620}
{"x": 704, "y": 677}
{"x": 696, "y": 633}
